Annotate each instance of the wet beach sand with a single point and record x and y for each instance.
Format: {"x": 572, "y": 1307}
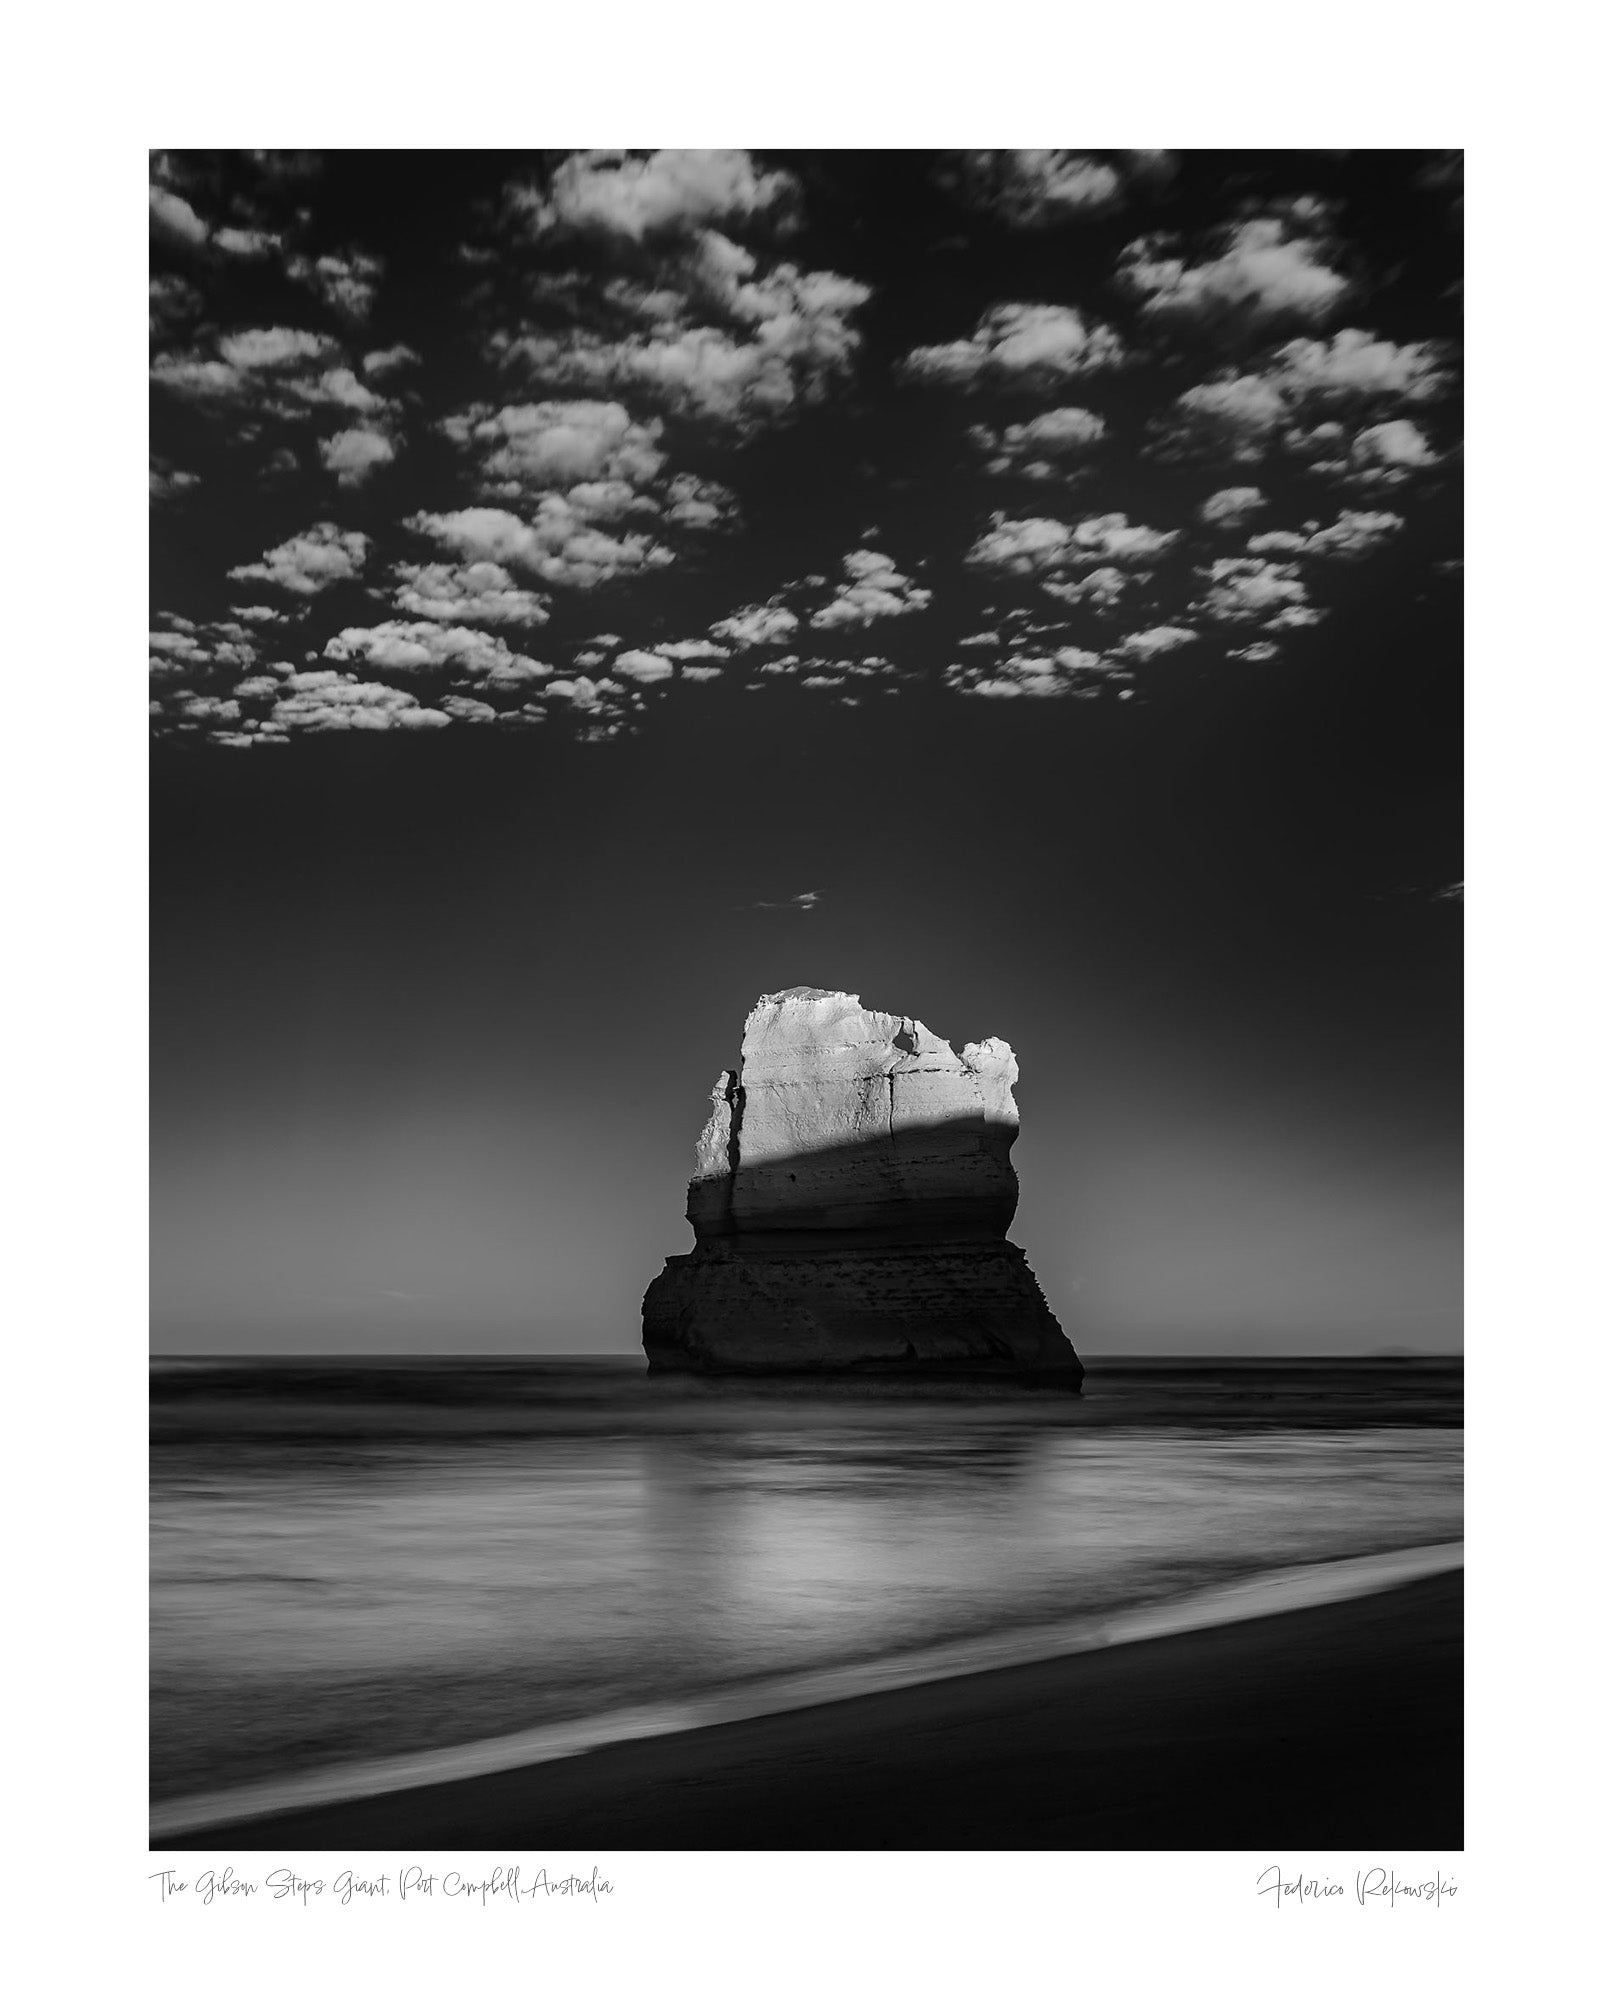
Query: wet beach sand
{"x": 1337, "y": 1726}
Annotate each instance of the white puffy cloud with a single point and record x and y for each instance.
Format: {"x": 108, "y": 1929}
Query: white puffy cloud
{"x": 1378, "y": 457}
{"x": 1351, "y": 538}
{"x": 310, "y": 562}
{"x": 354, "y": 454}
{"x": 168, "y": 480}
{"x": 319, "y": 702}
{"x": 347, "y": 283}
{"x": 1041, "y": 547}
{"x": 1296, "y": 401}
{"x": 691, "y": 649}
{"x": 1156, "y": 640}
{"x": 279, "y": 371}
{"x": 787, "y": 342}
{"x": 1018, "y": 346}
{"x": 531, "y": 447}
{"x": 694, "y": 673}
{"x": 874, "y": 588}
{"x": 756, "y": 625}
{"x": 1262, "y": 272}
{"x": 484, "y": 593}
{"x": 1232, "y": 506}
{"x": 1049, "y": 446}
{"x": 251, "y": 246}
{"x": 1245, "y": 590}
{"x": 182, "y": 649}
{"x": 466, "y": 708}
{"x": 175, "y": 221}
{"x": 640, "y": 195}
{"x": 559, "y": 545}
{"x": 1101, "y": 588}
{"x": 478, "y": 659}
{"x": 1029, "y": 675}
{"x": 384, "y": 361}
{"x": 1037, "y": 189}
{"x": 1030, "y": 189}
{"x": 643, "y": 668}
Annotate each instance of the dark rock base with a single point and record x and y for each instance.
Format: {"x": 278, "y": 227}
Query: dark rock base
{"x": 903, "y": 1311}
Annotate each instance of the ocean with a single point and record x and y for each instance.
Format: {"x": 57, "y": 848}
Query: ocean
{"x": 359, "y": 1560}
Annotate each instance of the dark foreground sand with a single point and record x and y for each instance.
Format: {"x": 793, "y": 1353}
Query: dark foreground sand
{"x": 1329, "y": 1728}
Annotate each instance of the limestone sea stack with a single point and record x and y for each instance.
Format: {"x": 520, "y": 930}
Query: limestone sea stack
{"x": 850, "y": 1204}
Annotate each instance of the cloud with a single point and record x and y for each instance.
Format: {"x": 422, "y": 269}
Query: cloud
{"x": 476, "y": 659}
{"x": 347, "y": 283}
{"x": 805, "y": 901}
{"x": 1253, "y": 275}
{"x": 690, "y": 649}
{"x": 1245, "y": 590}
{"x": 875, "y": 588}
{"x": 1030, "y": 676}
{"x": 1037, "y": 190}
{"x": 538, "y": 446}
{"x": 1047, "y": 189}
{"x": 644, "y": 668}
{"x": 1232, "y": 506}
{"x": 482, "y": 593}
{"x": 1156, "y": 640}
{"x": 1378, "y": 457}
{"x": 181, "y": 647}
{"x": 286, "y": 372}
{"x": 466, "y": 708}
{"x": 1352, "y": 537}
{"x": 251, "y": 246}
{"x": 787, "y": 343}
{"x": 1040, "y": 547}
{"x": 1018, "y": 346}
{"x": 166, "y": 481}
{"x": 354, "y": 454}
{"x": 1295, "y": 402}
{"x": 384, "y": 361}
{"x": 172, "y": 303}
{"x": 605, "y": 194}
{"x": 174, "y": 221}
{"x": 320, "y": 702}
{"x": 310, "y": 562}
{"x": 756, "y": 625}
{"x": 559, "y": 545}
{"x": 1050, "y": 446}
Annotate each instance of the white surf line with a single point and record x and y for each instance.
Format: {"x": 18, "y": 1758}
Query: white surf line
{"x": 1294, "y": 1589}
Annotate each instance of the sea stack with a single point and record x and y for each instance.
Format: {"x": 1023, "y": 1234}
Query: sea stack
{"x": 850, "y": 1203}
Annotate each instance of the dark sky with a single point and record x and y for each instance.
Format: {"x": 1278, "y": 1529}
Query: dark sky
{"x": 458, "y": 905}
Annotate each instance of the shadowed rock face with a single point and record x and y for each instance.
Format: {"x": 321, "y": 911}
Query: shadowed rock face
{"x": 850, "y": 1203}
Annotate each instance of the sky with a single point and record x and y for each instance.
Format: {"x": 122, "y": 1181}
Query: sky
{"x": 591, "y": 590}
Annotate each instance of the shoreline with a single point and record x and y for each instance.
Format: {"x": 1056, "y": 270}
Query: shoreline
{"x": 378, "y": 1790}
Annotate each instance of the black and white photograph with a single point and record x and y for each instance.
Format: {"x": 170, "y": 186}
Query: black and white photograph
{"x": 806, "y": 952}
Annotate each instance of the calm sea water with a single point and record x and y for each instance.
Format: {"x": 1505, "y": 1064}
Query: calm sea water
{"x": 352, "y": 1560}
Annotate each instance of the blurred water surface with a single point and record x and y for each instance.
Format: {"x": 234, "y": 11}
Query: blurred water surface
{"x": 353, "y": 1560}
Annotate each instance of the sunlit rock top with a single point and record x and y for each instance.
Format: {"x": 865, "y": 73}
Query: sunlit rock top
{"x": 840, "y": 1118}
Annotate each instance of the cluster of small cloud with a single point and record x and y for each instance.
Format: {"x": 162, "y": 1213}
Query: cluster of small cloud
{"x": 697, "y": 326}
{"x": 559, "y": 544}
{"x": 1018, "y": 346}
{"x": 1054, "y": 445}
{"x": 581, "y": 464}
{"x": 1067, "y": 670}
{"x": 308, "y": 563}
{"x": 472, "y": 658}
{"x": 1029, "y": 189}
{"x": 1251, "y": 277}
{"x": 874, "y": 588}
{"x": 1331, "y": 406}
{"x": 290, "y": 375}
{"x": 1049, "y": 549}
{"x": 478, "y": 593}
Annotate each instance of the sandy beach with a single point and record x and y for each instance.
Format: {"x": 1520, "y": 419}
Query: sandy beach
{"x": 1338, "y": 1726}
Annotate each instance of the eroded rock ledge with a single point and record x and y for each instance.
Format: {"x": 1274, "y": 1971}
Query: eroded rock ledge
{"x": 850, "y": 1204}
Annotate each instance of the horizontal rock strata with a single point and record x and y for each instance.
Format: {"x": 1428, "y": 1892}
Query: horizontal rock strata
{"x": 850, "y": 1203}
